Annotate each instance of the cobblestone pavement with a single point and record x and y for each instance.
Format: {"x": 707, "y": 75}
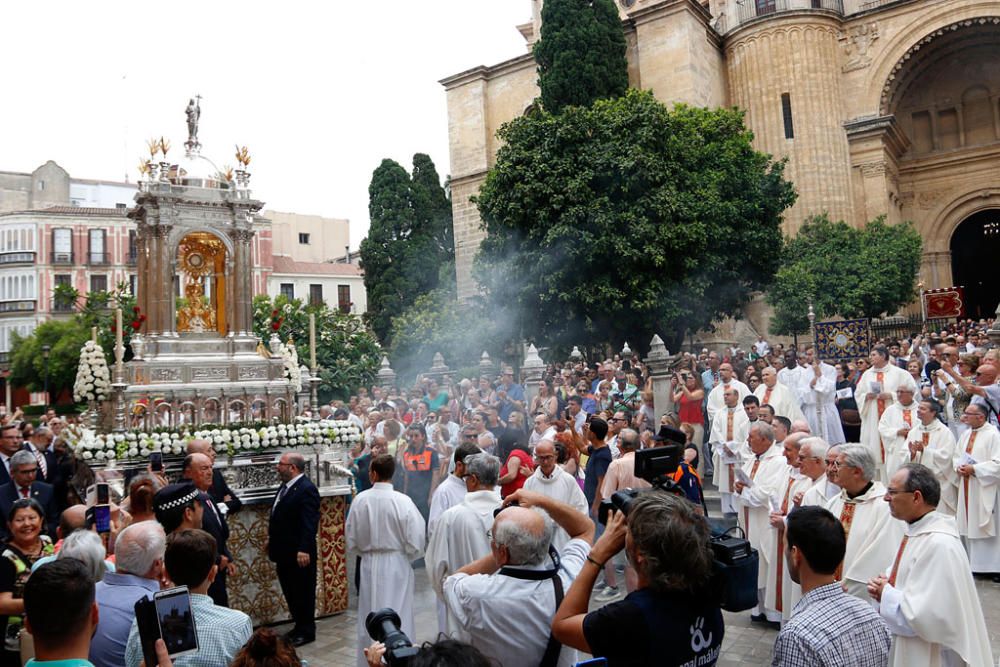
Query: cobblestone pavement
{"x": 745, "y": 645}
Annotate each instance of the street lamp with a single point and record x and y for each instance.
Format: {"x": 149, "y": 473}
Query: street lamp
{"x": 45, "y": 356}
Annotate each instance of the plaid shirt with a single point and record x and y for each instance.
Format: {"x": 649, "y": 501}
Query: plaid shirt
{"x": 830, "y": 628}
{"x": 221, "y": 632}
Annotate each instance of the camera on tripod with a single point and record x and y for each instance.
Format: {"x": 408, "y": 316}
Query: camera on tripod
{"x": 383, "y": 626}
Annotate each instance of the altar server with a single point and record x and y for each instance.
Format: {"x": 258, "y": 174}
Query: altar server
{"x": 758, "y": 486}
{"x": 451, "y": 491}
{"x": 977, "y": 462}
{"x": 730, "y": 429}
{"x": 818, "y": 389}
{"x": 784, "y": 400}
{"x": 549, "y": 479}
{"x": 874, "y": 393}
{"x": 932, "y": 444}
{"x": 927, "y": 596}
{"x": 872, "y": 533}
{"x": 387, "y": 530}
{"x": 461, "y": 533}
{"x": 894, "y": 428}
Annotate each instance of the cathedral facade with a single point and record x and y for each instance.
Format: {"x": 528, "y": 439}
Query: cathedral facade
{"x": 882, "y": 107}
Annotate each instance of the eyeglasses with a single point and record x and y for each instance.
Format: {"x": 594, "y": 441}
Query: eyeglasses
{"x": 892, "y": 492}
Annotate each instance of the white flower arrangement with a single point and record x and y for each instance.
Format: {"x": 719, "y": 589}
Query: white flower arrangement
{"x": 233, "y": 440}
{"x": 93, "y": 380}
{"x": 290, "y": 358}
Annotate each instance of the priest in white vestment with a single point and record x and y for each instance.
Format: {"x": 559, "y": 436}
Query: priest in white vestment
{"x": 386, "y": 529}
{"x": 894, "y": 428}
{"x": 549, "y": 479}
{"x": 716, "y": 397}
{"x": 759, "y": 487}
{"x": 932, "y": 444}
{"x": 977, "y": 462}
{"x": 874, "y": 393}
{"x": 777, "y": 592}
{"x": 784, "y": 400}
{"x": 872, "y": 533}
{"x": 926, "y": 595}
{"x": 452, "y": 490}
{"x": 826, "y": 486}
{"x": 818, "y": 390}
{"x": 461, "y": 533}
{"x": 728, "y": 437}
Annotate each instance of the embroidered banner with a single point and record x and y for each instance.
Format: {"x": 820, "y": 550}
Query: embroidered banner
{"x": 946, "y": 302}
{"x": 846, "y": 339}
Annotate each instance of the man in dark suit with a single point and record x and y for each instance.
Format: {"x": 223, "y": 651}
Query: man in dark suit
{"x": 23, "y": 468}
{"x": 39, "y": 443}
{"x": 291, "y": 544}
{"x": 198, "y": 469}
{"x": 10, "y": 443}
{"x": 225, "y": 498}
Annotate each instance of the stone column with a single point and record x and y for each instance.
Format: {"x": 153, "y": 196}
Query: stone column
{"x": 165, "y": 278}
{"x": 386, "y": 376}
{"x": 658, "y": 361}
{"x": 531, "y": 373}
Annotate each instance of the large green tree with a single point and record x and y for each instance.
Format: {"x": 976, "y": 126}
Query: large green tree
{"x": 28, "y": 365}
{"x": 607, "y": 223}
{"x": 409, "y": 240}
{"x": 581, "y": 53}
{"x": 845, "y": 271}
{"x": 346, "y": 351}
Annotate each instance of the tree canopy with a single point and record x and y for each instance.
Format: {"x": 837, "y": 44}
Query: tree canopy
{"x": 580, "y": 54}
{"x": 346, "y": 352}
{"x": 627, "y": 217}
{"x": 28, "y": 366}
{"x": 410, "y": 240}
{"x": 846, "y": 272}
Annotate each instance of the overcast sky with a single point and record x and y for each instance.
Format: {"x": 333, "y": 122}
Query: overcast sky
{"x": 320, "y": 92}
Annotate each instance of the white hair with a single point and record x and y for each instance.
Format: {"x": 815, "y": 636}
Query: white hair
{"x": 524, "y": 546}
{"x": 139, "y": 546}
{"x": 86, "y": 547}
{"x": 817, "y": 446}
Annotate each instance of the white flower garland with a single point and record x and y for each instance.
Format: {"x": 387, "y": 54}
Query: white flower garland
{"x": 93, "y": 380}
{"x": 92, "y": 446}
{"x": 290, "y": 358}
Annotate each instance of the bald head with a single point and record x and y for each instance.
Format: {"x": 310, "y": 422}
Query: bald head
{"x": 521, "y": 536}
{"x": 72, "y": 519}
{"x": 800, "y": 426}
{"x": 201, "y": 446}
{"x": 731, "y": 397}
{"x": 545, "y": 455}
{"x": 986, "y": 375}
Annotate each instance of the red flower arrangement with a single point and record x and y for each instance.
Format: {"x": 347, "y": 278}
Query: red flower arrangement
{"x": 276, "y": 320}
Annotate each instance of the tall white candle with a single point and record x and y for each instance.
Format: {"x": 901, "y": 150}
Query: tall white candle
{"x": 93, "y": 334}
{"x": 312, "y": 341}
{"x": 119, "y": 347}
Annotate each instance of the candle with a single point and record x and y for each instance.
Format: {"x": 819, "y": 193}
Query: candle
{"x": 93, "y": 334}
{"x": 312, "y": 341}
{"x": 119, "y": 348}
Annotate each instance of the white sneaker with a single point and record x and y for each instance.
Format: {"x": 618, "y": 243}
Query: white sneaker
{"x": 607, "y": 594}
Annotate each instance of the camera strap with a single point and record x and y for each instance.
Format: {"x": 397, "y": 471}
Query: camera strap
{"x": 551, "y": 656}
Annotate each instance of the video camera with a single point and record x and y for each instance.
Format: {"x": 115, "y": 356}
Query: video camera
{"x": 656, "y": 466}
{"x": 383, "y": 626}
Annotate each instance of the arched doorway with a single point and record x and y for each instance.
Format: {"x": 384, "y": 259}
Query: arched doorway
{"x": 975, "y": 253}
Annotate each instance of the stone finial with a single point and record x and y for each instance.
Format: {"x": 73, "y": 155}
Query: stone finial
{"x": 531, "y": 359}
{"x": 437, "y": 364}
{"x": 386, "y": 376}
{"x": 626, "y": 351}
{"x": 657, "y": 350}
{"x": 576, "y": 355}
{"x": 485, "y": 363}
{"x": 993, "y": 333}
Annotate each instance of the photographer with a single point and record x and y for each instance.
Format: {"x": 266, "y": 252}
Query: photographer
{"x": 671, "y": 619}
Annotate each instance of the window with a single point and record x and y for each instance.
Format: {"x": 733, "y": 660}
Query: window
{"x": 786, "y": 114}
{"x": 97, "y": 247}
{"x": 315, "y": 295}
{"x": 98, "y": 283}
{"x": 344, "y": 298}
{"x": 133, "y": 284}
{"x": 62, "y": 246}
{"x": 131, "y": 247}
{"x": 288, "y": 290}
{"x": 765, "y": 7}
{"x": 59, "y": 301}
{"x": 121, "y": 206}
{"x": 63, "y": 279}
{"x": 304, "y": 239}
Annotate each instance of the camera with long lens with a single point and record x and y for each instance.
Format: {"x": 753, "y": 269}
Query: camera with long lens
{"x": 383, "y": 626}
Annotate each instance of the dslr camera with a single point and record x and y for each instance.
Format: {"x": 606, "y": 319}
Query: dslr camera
{"x": 656, "y": 466}
{"x": 383, "y": 626}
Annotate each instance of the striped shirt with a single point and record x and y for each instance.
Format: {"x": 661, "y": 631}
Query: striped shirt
{"x": 830, "y": 628}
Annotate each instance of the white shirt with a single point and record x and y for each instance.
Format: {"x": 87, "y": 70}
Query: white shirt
{"x": 510, "y": 619}
{"x": 449, "y": 493}
{"x": 561, "y": 486}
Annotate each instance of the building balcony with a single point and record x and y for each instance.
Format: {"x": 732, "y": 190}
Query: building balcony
{"x": 21, "y": 306}
{"x": 64, "y": 258}
{"x": 18, "y": 257}
{"x": 98, "y": 258}
{"x": 750, "y": 10}
{"x": 132, "y": 257}
{"x": 62, "y": 307}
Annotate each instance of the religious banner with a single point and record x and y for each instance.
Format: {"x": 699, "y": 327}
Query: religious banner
{"x": 845, "y": 339}
{"x": 945, "y": 302}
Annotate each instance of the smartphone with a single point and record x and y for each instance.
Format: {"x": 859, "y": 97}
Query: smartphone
{"x": 176, "y": 621}
{"x": 103, "y": 494}
{"x": 156, "y": 461}
{"x": 102, "y": 518}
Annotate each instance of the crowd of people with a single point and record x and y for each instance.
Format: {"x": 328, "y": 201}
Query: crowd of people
{"x": 868, "y": 490}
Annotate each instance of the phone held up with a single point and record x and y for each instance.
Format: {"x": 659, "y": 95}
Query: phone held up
{"x": 167, "y": 616}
